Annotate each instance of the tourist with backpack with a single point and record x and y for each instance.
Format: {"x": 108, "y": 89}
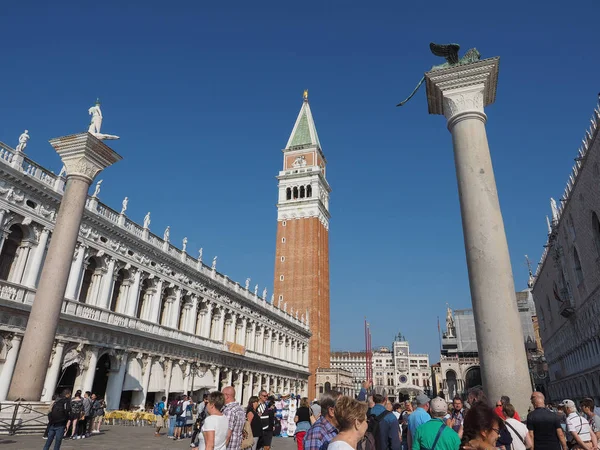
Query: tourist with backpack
{"x": 435, "y": 434}
{"x": 180, "y": 420}
{"x": 383, "y": 426}
{"x": 351, "y": 416}
{"x": 172, "y": 418}
{"x": 57, "y": 420}
{"x": 159, "y": 412}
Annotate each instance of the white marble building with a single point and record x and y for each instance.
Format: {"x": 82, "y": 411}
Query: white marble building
{"x": 566, "y": 287}
{"x": 141, "y": 318}
{"x": 397, "y": 373}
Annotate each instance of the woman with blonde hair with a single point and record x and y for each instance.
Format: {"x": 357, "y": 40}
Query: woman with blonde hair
{"x": 351, "y": 416}
{"x": 303, "y": 422}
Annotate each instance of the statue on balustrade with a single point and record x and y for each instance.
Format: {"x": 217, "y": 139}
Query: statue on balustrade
{"x": 167, "y": 234}
{"x": 247, "y": 283}
{"x": 200, "y": 255}
{"x": 23, "y": 141}
{"x": 97, "y": 190}
{"x": 147, "y": 220}
{"x": 124, "y": 205}
{"x": 214, "y": 263}
{"x": 184, "y": 247}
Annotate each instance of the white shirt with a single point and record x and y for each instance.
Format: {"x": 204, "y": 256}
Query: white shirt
{"x": 218, "y": 424}
{"x": 579, "y": 425}
{"x": 519, "y": 437}
{"x": 339, "y": 445}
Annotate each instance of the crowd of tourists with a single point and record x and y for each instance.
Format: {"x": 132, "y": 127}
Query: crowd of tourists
{"x": 76, "y": 416}
{"x": 336, "y": 422}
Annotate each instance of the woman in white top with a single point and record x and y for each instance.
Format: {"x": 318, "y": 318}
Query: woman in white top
{"x": 351, "y": 416}
{"x": 520, "y": 435}
{"x": 214, "y": 433}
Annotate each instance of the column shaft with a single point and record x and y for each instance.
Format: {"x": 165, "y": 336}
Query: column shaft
{"x": 45, "y": 311}
{"x": 75, "y": 274}
{"x": 88, "y": 380}
{"x": 108, "y": 282}
{"x": 36, "y": 261}
{"x": 9, "y": 367}
{"x": 134, "y": 294}
{"x": 53, "y": 372}
{"x": 114, "y": 388}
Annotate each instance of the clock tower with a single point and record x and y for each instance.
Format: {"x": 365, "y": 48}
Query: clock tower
{"x": 302, "y": 250}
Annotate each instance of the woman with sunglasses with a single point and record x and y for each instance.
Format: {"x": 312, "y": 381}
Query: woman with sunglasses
{"x": 481, "y": 428}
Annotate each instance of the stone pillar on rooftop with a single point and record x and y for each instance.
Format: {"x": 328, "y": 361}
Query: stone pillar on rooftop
{"x": 84, "y": 156}
{"x": 460, "y": 94}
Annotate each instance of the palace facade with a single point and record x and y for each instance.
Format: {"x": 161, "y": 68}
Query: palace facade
{"x": 567, "y": 283}
{"x": 141, "y": 318}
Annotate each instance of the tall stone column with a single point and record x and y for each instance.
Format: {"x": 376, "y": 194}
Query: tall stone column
{"x": 107, "y": 285}
{"x": 245, "y": 397}
{"x": 84, "y": 156}
{"x": 216, "y": 371}
{"x": 53, "y": 371}
{"x": 75, "y": 273}
{"x": 460, "y": 94}
{"x": 90, "y": 373}
{"x": 9, "y": 366}
{"x": 36, "y": 260}
{"x": 168, "y": 373}
{"x": 192, "y": 316}
{"x": 134, "y": 293}
{"x": 139, "y": 397}
{"x": 175, "y": 310}
{"x": 114, "y": 387}
{"x": 156, "y": 299}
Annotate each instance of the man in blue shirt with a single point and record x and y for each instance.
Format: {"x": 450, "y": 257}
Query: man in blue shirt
{"x": 418, "y": 417}
{"x": 389, "y": 431}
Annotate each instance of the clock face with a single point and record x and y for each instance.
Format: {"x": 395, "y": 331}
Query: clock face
{"x": 403, "y": 379}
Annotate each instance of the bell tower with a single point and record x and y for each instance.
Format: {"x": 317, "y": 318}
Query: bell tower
{"x": 302, "y": 250}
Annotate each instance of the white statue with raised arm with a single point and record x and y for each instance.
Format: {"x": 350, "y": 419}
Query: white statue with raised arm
{"x": 22, "y": 141}
{"x": 167, "y": 234}
{"x": 147, "y": 220}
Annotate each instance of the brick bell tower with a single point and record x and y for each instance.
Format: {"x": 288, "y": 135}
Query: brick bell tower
{"x": 302, "y": 252}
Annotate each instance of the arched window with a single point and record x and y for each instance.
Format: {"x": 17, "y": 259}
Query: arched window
{"x": 288, "y": 194}
{"x": 164, "y": 310}
{"x": 302, "y": 192}
{"x": 309, "y": 191}
{"x": 571, "y": 226}
{"x": 9, "y": 251}
{"x": 295, "y": 192}
{"x": 596, "y": 231}
{"x": 578, "y": 271}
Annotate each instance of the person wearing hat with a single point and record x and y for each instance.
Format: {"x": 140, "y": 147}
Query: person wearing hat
{"x": 434, "y": 434}
{"x": 579, "y": 432}
{"x": 418, "y": 417}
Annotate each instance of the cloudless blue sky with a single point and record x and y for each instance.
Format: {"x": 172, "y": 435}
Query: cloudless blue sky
{"x": 205, "y": 94}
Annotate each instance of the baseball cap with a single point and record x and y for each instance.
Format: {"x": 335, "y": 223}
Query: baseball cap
{"x": 422, "y": 399}
{"x": 568, "y": 403}
{"x": 438, "y": 405}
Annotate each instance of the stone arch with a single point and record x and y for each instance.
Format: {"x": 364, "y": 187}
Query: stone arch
{"x": 184, "y": 310}
{"x": 15, "y": 252}
{"x": 167, "y": 297}
{"x": 147, "y": 291}
{"x": 451, "y": 383}
{"x": 472, "y": 377}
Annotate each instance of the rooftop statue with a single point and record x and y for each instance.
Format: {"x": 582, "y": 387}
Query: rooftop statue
{"x": 124, "y": 205}
{"x": 97, "y": 189}
{"x": 450, "y": 53}
{"x": 184, "y": 246}
{"x": 167, "y": 234}
{"x": 23, "y": 141}
{"x": 147, "y": 220}
{"x": 214, "y": 263}
{"x": 200, "y": 254}
{"x": 96, "y": 122}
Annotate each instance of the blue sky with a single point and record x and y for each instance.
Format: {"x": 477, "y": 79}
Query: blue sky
{"x": 205, "y": 94}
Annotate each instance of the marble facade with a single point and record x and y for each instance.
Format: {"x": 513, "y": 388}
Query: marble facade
{"x": 141, "y": 318}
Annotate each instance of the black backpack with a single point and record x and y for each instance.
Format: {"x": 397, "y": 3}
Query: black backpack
{"x": 77, "y": 407}
{"x": 59, "y": 412}
{"x": 371, "y": 439}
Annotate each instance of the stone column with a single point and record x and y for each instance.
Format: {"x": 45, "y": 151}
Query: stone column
{"x": 134, "y": 293}
{"x": 38, "y": 257}
{"x": 205, "y": 332}
{"x": 248, "y": 392}
{"x": 75, "y": 273}
{"x": 84, "y": 156}
{"x": 3, "y": 234}
{"x": 239, "y": 384}
{"x": 168, "y": 372}
{"x": 175, "y": 310}
{"x": 217, "y": 375}
{"x": 18, "y": 273}
{"x": 244, "y": 328}
{"x": 88, "y": 380}
{"x": 460, "y": 93}
{"x": 9, "y": 366}
{"x": 156, "y": 299}
{"x": 139, "y": 398}
{"x": 192, "y": 316}
{"x": 53, "y": 372}
{"x": 229, "y": 377}
{"x": 107, "y": 285}
{"x": 114, "y": 388}
{"x": 221, "y": 327}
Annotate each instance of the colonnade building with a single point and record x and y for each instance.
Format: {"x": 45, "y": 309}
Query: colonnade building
{"x": 141, "y": 318}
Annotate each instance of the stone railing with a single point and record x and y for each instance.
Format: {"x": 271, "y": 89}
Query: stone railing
{"x": 23, "y": 295}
